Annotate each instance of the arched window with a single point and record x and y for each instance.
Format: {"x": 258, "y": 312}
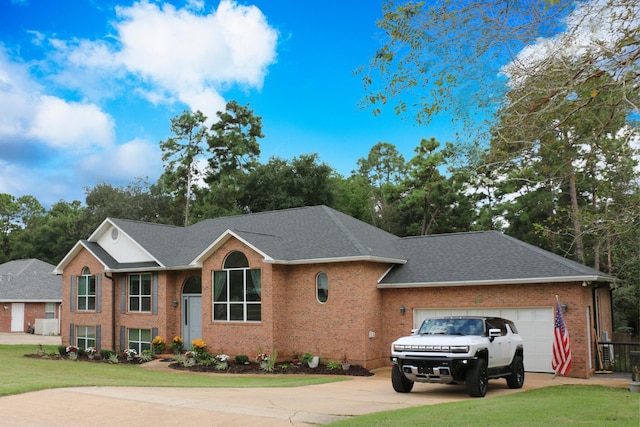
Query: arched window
{"x": 86, "y": 291}
{"x": 322, "y": 288}
{"x": 193, "y": 285}
{"x": 237, "y": 292}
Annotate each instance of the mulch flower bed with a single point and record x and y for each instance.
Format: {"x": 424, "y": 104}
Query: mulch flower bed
{"x": 279, "y": 368}
{"x": 233, "y": 368}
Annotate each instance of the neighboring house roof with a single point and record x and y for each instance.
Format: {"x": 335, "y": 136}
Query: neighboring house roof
{"x": 29, "y": 280}
{"x": 321, "y": 234}
{"x": 481, "y": 258}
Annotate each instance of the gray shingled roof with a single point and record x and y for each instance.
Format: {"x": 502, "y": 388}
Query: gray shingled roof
{"x": 29, "y": 280}
{"x": 288, "y": 235}
{"x": 477, "y": 257}
{"x": 320, "y": 233}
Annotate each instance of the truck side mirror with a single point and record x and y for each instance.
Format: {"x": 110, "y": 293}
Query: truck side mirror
{"x": 493, "y": 333}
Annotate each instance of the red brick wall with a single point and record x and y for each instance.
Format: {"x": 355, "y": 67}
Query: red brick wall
{"x": 32, "y": 311}
{"x": 5, "y": 317}
{"x": 167, "y": 320}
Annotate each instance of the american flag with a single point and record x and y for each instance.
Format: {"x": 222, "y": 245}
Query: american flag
{"x": 561, "y": 362}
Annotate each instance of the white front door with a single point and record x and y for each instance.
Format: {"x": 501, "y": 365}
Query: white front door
{"x": 17, "y": 317}
{"x": 191, "y": 318}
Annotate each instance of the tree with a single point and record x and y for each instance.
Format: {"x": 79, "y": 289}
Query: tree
{"x": 234, "y": 149}
{"x": 454, "y": 56}
{"x": 233, "y": 141}
{"x": 15, "y": 215}
{"x": 566, "y": 155}
{"x": 434, "y": 202}
{"x": 384, "y": 170}
{"x": 183, "y": 153}
{"x": 51, "y": 236}
{"x": 138, "y": 201}
{"x": 281, "y": 184}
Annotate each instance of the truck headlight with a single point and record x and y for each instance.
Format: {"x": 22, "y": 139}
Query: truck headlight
{"x": 459, "y": 349}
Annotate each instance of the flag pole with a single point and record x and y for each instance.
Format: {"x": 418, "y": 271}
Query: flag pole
{"x": 555, "y": 371}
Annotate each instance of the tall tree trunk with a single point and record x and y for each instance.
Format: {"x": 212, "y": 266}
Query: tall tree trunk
{"x": 575, "y": 212}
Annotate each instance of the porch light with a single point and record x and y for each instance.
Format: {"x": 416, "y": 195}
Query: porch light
{"x": 564, "y": 308}
{"x": 403, "y": 310}
{"x": 174, "y": 303}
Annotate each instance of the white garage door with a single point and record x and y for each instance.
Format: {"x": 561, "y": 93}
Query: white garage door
{"x": 535, "y": 325}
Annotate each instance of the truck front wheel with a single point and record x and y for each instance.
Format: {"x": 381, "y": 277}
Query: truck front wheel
{"x": 476, "y": 378}
{"x": 516, "y": 379}
{"x": 400, "y": 383}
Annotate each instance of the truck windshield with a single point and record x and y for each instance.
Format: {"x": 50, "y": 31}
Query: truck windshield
{"x": 452, "y": 327}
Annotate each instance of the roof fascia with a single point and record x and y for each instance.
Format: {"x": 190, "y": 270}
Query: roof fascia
{"x": 29, "y": 300}
{"x": 367, "y": 258}
{"x": 531, "y": 280}
{"x": 101, "y": 229}
{"x": 223, "y": 238}
{"x": 69, "y": 256}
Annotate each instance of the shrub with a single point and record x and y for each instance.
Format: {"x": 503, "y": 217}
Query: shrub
{"x": 62, "y": 350}
{"x": 334, "y": 365}
{"x": 242, "y": 359}
{"x": 146, "y": 356}
{"x": 106, "y": 354}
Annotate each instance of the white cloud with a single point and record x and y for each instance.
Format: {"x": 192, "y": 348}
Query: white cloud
{"x": 28, "y": 115}
{"x": 166, "y": 54}
{"x": 122, "y": 163}
{"x": 70, "y": 125}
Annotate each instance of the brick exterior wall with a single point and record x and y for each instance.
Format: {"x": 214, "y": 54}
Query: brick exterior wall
{"x": 358, "y": 319}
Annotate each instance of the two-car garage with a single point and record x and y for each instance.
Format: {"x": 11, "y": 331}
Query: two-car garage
{"x": 535, "y": 325}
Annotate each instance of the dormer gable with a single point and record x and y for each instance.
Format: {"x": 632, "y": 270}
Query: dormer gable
{"x": 117, "y": 243}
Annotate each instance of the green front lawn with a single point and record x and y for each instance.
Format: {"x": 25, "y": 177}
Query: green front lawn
{"x": 564, "y": 405}
{"x": 19, "y": 374}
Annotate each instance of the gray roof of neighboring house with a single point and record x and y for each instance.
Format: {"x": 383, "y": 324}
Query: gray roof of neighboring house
{"x": 487, "y": 257}
{"x": 29, "y": 280}
{"x": 322, "y": 234}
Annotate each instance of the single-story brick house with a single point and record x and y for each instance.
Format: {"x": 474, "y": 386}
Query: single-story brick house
{"x": 316, "y": 280}
{"x": 29, "y": 295}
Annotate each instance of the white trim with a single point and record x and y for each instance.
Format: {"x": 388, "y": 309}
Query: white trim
{"x": 72, "y": 254}
{"x": 340, "y": 259}
{"x": 222, "y": 239}
{"x": 528, "y": 280}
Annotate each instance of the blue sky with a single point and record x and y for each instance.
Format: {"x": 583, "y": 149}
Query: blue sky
{"x": 87, "y": 87}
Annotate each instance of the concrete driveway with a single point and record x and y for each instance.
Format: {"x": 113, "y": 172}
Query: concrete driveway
{"x": 299, "y": 406}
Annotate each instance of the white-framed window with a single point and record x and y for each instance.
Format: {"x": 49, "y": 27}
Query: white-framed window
{"x": 86, "y": 291}
{"x": 49, "y": 310}
{"x": 322, "y": 288}
{"x": 237, "y": 293}
{"x": 139, "y": 339}
{"x": 85, "y": 336}
{"x": 140, "y": 292}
